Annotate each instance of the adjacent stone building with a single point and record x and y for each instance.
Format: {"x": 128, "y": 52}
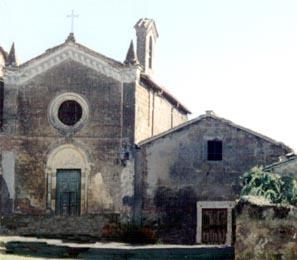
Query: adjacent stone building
{"x": 188, "y": 178}
{"x": 85, "y": 138}
{"x": 285, "y": 166}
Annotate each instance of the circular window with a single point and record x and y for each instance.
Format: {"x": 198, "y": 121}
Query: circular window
{"x": 70, "y": 112}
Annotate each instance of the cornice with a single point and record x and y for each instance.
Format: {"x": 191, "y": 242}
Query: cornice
{"x": 22, "y": 74}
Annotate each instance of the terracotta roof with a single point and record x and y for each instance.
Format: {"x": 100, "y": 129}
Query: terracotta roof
{"x": 213, "y": 116}
{"x": 146, "y": 80}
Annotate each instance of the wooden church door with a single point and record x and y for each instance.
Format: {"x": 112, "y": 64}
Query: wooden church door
{"x": 68, "y": 192}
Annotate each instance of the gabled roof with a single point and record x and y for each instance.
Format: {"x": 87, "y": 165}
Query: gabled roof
{"x": 147, "y": 80}
{"x": 70, "y": 49}
{"x": 78, "y": 52}
{"x": 71, "y": 41}
{"x": 210, "y": 114}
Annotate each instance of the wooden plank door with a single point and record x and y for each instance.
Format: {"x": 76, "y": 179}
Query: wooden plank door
{"x": 68, "y": 192}
{"x": 214, "y": 226}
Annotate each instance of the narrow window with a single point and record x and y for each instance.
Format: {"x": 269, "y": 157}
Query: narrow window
{"x": 151, "y": 53}
{"x": 214, "y": 150}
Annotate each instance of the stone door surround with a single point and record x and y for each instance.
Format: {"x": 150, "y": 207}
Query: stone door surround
{"x": 229, "y": 205}
{"x": 67, "y": 156}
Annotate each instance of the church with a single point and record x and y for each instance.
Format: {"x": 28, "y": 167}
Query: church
{"x": 87, "y": 140}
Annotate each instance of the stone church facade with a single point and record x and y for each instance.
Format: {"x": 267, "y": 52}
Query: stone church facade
{"x": 72, "y": 112}
{"x": 83, "y": 135}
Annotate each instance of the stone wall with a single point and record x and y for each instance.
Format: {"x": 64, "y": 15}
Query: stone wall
{"x": 2, "y": 63}
{"x": 90, "y": 225}
{"x": 143, "y": 113}
{"x": 30, "y": 137}
{"x": 178, "y": 117}
{"x": 265, "y": 231}
{"x": 154, "y": 114}
{"x": 26, "y": 106}
{"x": 6, "y": 200}
{"x": 174, "y": 172}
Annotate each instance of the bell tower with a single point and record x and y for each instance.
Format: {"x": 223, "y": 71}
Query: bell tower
{"x": 147, "y": 35}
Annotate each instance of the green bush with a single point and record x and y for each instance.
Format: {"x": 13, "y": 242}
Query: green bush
{"x": 289, "y": 190}
{"x": 271, "y": 186}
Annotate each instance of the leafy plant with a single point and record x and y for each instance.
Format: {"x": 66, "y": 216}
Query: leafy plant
{"x": 289, "y": 190}
{"x": 271, "y": 186}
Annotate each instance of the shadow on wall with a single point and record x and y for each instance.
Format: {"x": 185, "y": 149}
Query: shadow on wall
{"x": 176, "y": 211}
{"x": 5, "y": 201}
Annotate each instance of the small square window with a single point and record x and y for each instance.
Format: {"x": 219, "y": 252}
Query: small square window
{"x": 214, "y": 150}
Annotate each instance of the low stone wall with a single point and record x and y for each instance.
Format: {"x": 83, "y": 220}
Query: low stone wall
{"x": 89, "y": 225}
{"x": 265, "y": 231}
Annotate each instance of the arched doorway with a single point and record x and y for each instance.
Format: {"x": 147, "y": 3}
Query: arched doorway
{"x": 67, "y": 174}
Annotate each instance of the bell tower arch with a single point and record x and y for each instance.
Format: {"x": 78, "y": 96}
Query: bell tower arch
{"x": 147, "y": 35}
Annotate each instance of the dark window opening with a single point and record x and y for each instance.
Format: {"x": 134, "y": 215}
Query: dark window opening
{"x": 151, "y": 53}
{"x": 70, "y": 112}
{"x": 214, "y": 150}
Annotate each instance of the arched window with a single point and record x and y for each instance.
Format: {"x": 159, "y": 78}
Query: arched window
{"x": 150, "y": 52}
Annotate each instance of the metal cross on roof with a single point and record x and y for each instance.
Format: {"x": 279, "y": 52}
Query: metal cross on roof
{"x": 72, "y": 16}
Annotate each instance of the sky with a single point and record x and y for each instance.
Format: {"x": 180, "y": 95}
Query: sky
{"x": 235, "y": 57}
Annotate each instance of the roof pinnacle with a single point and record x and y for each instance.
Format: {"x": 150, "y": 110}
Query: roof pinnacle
{"x": 11, "y": 58}
{"x": 131, "y": 57}
{"x": 70, "y": 37}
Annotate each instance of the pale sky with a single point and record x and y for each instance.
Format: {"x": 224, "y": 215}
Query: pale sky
{"x": 236, "y": 57}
